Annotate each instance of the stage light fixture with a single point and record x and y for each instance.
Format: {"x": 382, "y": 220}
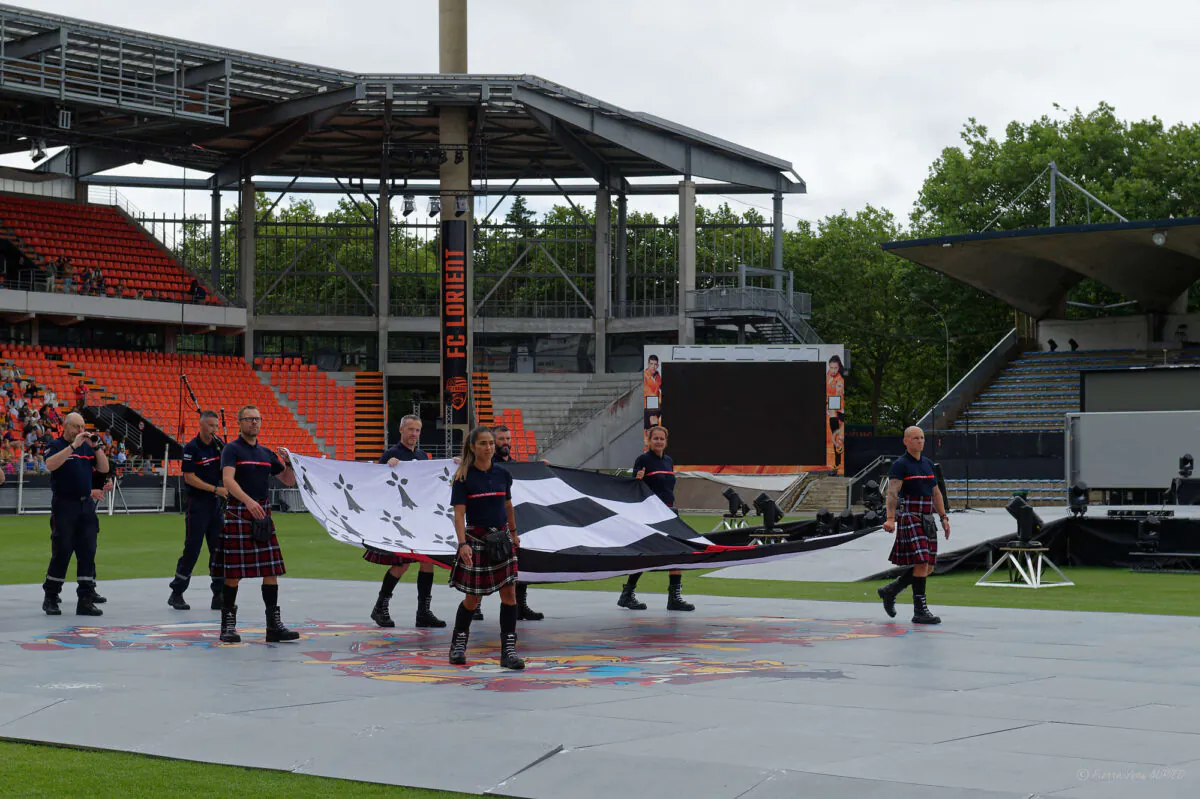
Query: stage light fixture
{"x": 1077, "y": 499}
{"x": 872, "y": 498}
{"x": 1148, "y": 531}
{"x": 765, "y": 507}
{"x": 435, "y": 206}
{"x": 442, "y": 157}
{"x": 1073, "y": 344}
{"x": 460, "y": 204}
{"x": 1029, "y": 524}
{"x": 871, "y": 519}
{"x": 824, "y": 522}
{"x": 410, "y": 204}
{"x": 1052, "y": 344}
{"x": 737, "y": 505}
{"x": 1159, "y": 237}
{"x": 845, "y": 522}
{"x": 1186, "y": 463}
{"x": 37, "y": 149}
{"x": 458, "y": 155}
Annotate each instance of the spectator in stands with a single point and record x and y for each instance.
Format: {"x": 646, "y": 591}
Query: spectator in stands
{"x": 6, "y": 373}
{"x": 40, "y": 464}
{"x": 98, "y": 281}
{"x": 51, "y": 275}
{"x": 13, "y": 442}
{"x": 68, "y": 274}
{"x": 197, "y": 291}
{"x": 81, "y": 395}
{"x": 121, "y": 456}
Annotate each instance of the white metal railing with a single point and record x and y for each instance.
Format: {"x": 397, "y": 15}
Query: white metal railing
{"x": 107, "y": 195}
{"x": 768, "y": 302}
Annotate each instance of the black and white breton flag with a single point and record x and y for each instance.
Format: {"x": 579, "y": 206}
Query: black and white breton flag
{"x": 574, "y": 525}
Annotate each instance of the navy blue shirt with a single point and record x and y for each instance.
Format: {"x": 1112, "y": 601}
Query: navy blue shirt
{"x": 917, "y": 476}
{"x": 403, "y": 453}
{"x": 72, "y": 480}
{"x": 484, "y": 494}
{"x": 659, "y": 476}
{"x": 204, "y": 461}
{"x": 253, "y": 467}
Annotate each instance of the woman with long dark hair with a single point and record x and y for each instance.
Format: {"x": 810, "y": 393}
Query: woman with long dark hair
{"x": 486, "y": 560}
{"x": 656, "y": 469}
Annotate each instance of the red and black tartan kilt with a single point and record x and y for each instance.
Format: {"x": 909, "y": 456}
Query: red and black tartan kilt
{"x": 915, "y": 543}
{"x": 483, "y": 577}
{"x": 242, "y": 555}
{"x": 384, "y": 558}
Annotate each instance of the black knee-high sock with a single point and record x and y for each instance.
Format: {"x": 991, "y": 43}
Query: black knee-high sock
{"x": 270, "y": 595}
{"x": 389, "y": 583}
{"x": 424, "y": 584}
{"x": 508, "y": 619}
{"x": 632, "y": 580}
{"x": 918, "y": 584}
{"x": 228, "y": 596}
{"x": 676, "y": 580}
{"x": 462, "y": 620}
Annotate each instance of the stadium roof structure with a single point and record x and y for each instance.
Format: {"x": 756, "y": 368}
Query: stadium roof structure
{"x": 115, "y": 96}
{"x": 1152, "y": 262}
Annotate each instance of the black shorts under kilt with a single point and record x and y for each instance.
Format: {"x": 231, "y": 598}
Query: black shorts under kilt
{"x": 382, "y": 557}
{"x": 483, "y": 577}
{"x": 242, "y": 555}
{"x": 916, "y": 541}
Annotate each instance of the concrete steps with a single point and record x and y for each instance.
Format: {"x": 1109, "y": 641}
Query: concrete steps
{"x": 552, "y": 405}
{"x": 301, "y": 420}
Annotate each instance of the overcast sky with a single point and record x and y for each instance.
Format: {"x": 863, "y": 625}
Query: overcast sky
{"x": 860, "y": 96}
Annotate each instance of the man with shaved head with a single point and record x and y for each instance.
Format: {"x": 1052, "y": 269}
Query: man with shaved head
{"x": 74, "y": 526}
{"x": 912, "y": 498}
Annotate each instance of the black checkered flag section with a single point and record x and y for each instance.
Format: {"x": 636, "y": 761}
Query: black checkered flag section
{"x": 574, "y": 525}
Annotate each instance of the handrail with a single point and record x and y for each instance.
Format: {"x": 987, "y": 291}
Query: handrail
{"x": 974, "y": 381}
{"x": 753, "y": 299}
{"x": 870, "y": 471}
{"x": 559, "y": 433}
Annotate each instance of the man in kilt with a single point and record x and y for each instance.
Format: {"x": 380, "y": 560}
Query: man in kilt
{"x": 486, "y": 560}
{"x": 504, "y": 455}
{"x": 249, "y": 549}
{"x": 203, "y": 521}
{"x": 406, "y": 450}
{"x": 913, "y": 497}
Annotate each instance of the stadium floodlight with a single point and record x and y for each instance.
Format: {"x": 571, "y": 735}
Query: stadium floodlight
{"x": 37, "y": 149}
{"x": 435, "y": 206}
{"x": 1052, "y": 344}
{"x": 460, "y": 204}
{"x": 1186, "y": 464}
{"x": 1029, "y": 524}
{"x": 410, "y": 203}
{"x": 737, "y": 505}
{"x": 1159, "y": 237}
{"x": 765, "y": 507}
{"x": 1077, "y": 499}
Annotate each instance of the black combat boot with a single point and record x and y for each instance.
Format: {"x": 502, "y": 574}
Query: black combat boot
{"x": 380, "y": 614}
{"x": 524, "y": 612}
{"x": 675, "y": 600}
{"x": 276, "y": 632}
{"x": 921, "y": 614}
{"x": 628, "y": 599}
{"x": 51, "y": 606}
{"x": 229, "y": 626}
{"x": 508, "y": 653}
{"x": 176, "y": 601}
{"x": 458, "y": 647}
{"x": 85, "y": 607}
{"x": 425, "y": 617}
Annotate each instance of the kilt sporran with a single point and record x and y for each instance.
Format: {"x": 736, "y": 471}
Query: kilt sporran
{"x": 242, "y": 554}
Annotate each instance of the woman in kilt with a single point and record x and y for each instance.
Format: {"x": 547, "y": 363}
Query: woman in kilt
{"x": 913, "y": 497}
{"x": 246, "y": 471}
{"x": 481, "y": 494}
{"x": 656, "y": 469}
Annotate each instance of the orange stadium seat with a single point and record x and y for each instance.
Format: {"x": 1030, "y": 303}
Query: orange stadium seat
{"x": 96, "y": 236}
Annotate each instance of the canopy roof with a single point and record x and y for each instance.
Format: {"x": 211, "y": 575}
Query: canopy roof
{"x": 135, "y": 96}
{"x": 1032, "y": 270}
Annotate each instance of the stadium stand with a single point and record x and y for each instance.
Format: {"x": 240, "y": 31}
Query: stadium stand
{"x": 92, "y": 236}
{"x": 524, "y": 442}
{"x": 550, "y": 405}
{"x": 149, "y": 383}
{"x": 1037, "y": 389}
{"x": 320, "y": 402}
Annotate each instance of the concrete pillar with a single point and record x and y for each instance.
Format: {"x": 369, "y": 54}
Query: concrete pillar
{"x": 81, "y": 192}
{"x": 215, "y": 240}
{"x": 603, "y": 275}
{"x": 687, "y": 257}
{"x": 34, "y": 332}
{"x": 383, "y": 262}
{"x": 455, "y": 178}
{"x": 777, "y": 240}
{"x": 247, "y": 255}
{"x": 170, "y": 339}
{"x": 622, "y": 245}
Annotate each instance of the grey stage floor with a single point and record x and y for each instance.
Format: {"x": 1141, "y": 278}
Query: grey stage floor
{"x": 757, "y": 699}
